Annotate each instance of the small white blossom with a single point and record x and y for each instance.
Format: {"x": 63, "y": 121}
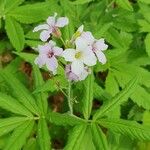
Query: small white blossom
{"x": 47, "y": 56}
{"x": 51, "y": 27}
{"x": 80, "y": 56}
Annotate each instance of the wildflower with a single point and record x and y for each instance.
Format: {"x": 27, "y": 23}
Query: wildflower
{"x": 97, "y": 46}
{"x": 80, "y": 56}
{"x": 47, "y": 56}
{"x": 73, "y": 77}
{"x": 51, "y": 27}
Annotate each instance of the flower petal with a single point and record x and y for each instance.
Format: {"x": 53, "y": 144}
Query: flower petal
{"x": 83, "y": 75}
{"x": 88, "y": 37}
{"x": 57, "y": 51}
{"x": 40, "y": 61}
{"x": 69, "y": 54}
{"x": 52, "y": 43}
{"x": 44, "y": 49}
{"x": 51, "y": 20}
{"x": 89, "y": 58}
{"x": 41, "y": 27}
{"x": 101, "y": 56}
{"x": 62, "y": 21}
{"x": 77, "y": 67}
{"x": 69, "y": 74}
{"x": 81, "y": 44}
{"x": 52, "y": 64}
{"x": 80, "y": 29}
{"x": 44, "y": 35}
{"x": 100, "y": 45}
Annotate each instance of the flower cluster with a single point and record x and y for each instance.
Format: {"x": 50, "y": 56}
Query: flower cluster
{"x": 84, "y": 52}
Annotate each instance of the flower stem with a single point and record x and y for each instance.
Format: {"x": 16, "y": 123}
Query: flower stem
{"x": 70, "y": 104}
{"x": 63, "y": 41}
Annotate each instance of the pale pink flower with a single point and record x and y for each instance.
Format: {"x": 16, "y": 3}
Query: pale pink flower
{"x": 73, "y": 77}
{"x": 80, "y": 56}
{"x": 97, "y": 46}
{"x": 47, "y": 56}
{"x": 51, "y": 27}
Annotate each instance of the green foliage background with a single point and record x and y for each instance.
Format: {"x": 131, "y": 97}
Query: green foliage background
{"x": 111, "y": 109}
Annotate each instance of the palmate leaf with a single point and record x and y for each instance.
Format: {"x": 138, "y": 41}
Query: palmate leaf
{"x": 41, "y": 97}
{"x": 79, "y": 2}
{"x": 118, "y": 99}
{"x": 125, "y": 4}
{"x": 65, "y": 119}
{"x": 15, "y": 33}
{"x": 99, "y": 138}
{"x": 20, "y": 92}
{"x": 147, "y": 44}
{"x": 11, "y": 104}
{"x": 43, "y": 135}
{"x": 145, "y": 1}
{"x": 10, "y": 5}
{"x": 9, "y": 124}
{"x": 87, "y": 99}
{"x": 27, "y": 56}
{"x": 79, "y": 137}
{"x": 111, "y": 85}
{"x": 31, "y": 13}
{"x": 100, "y": 93}
{"x": 19, "y": 136}
{"x": 129, "y": 128}
{"x": 141, "y": 97}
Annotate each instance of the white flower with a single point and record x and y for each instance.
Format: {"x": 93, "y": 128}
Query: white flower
{"x": 47, "y": 56}
{"x": 51, "y": 27}
{"x": 79, "y": 56}
{"x": 97, "y": 46}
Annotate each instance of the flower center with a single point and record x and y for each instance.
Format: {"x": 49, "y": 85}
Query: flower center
{"x": 78, "y": 55}
{"x": 50, "y": 54}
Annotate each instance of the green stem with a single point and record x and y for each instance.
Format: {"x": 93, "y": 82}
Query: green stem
{"x": 70, "y": 104}
{"x": 63, "y": 41}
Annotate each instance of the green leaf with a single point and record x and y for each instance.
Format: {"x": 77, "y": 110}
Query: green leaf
{"x": 65, "y": 119}
{"x": 125, "y": 4}
{"x": 145, "y": 25}
{"x": 147, "y": 44}
{"x": 100, "y": 93}
{"x": 118, "y": 99}
{"x": 40, "y": 97}
{"x": 54, "y": 84}
{"x": 10, "y": 5}
{"x": 79, "y": 137}
{"x": 31, "y": 144}
{"x": 120, "y": 40}
{"x": 79, "y": 2}
{"x": 144, "y": 9}
{"x": 19, "y": 136}
{"x": 99, "y": 138}
{"x": 31, "y": 13}
{"x": 15, "y": 33}
{"x": 27, "y": 56}
{"x": 145, "y": 1}
{"x": 88, "y": 96}
{"x": 43, "y": 135}
{"x": 111, "y": 85}
{"x": 141, "y": 97}
{"x": 11, "y": 104}
{"x": 9, "y": 124}
{"x": 129, "y": 128}
{"x": 20, "y": 92}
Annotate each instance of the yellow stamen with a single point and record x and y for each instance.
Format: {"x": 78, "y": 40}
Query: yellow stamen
{"x": 78, "y": 55}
